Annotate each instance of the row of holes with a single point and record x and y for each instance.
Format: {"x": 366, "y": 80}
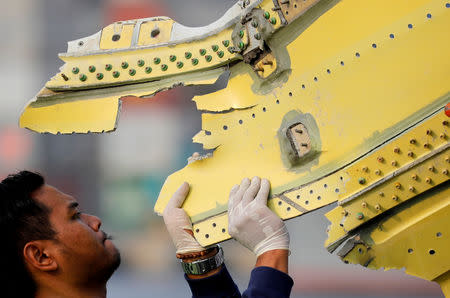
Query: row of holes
{"x": 357, "y": 54}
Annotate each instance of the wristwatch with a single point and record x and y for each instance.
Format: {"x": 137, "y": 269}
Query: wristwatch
{"x": 204, "y": 266}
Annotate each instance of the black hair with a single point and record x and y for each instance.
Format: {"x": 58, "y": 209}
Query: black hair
{"x": 22, "y": 219}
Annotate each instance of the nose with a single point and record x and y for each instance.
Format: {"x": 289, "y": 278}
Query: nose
{"x": 94, "y": 222}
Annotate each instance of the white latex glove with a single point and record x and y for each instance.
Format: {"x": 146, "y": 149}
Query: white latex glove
{"x": 251, "y": 222}
{"x": 178, "y": 223}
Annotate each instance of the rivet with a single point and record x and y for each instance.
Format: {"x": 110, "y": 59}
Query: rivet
{"x": 164, "y": 67}
{"x": 141, "y": 63}
{"x": 445, "y": 172}
{"x": 202, "y": 52}
{"x": 378, "y": 172}
{"x": 394, "y": 163}
{"x": 226, "y": 43}
{"x": 180, "y": 64}
{"x": 99, "y": 76}
{"x": 445, "y": 122}
{"x": 75, "y": 70}
{"x": 443, "y": 136}
{"x": 431, "y": 168}
{"x": 172, "y": 58}
{"x": 132, "y": 72}
{"x": 208, "y": 58}
{"x": 410, "y": 153}
{"x": 365, "y": 169}
{"x": 83, "y": 77}
{"x": 426, "y": 145}
{"x": 381, "y": 194}
{"x": 412, "y": 189}
{"x": 362, "y": 180}
{"x": 396, "y": 150}
{"x": 380, "y": 159}
{"x": 156, "y": 60}
{"x": 194, "y": 61}
{"x": 148, "y": 69}
{"x": 124, "y": 65}
{"x": 377, "y": 207}
{"x": 241, "y": 45}
{"x": 92, "y": 68}
{"x": 257, "y": 36}
{"x": 254, "y": 24}
{"x": 108, "y": 67}
{"x": 429, "y": 131}
{"x": 428, "y": 180}
{"x": 232, "y": 50}
{"x": 215, "y": 48}
{"x": 266, "y": 15}
{"x": 116, "y": 74}
{"x": 220, "y": 54}
{"x": 398, "y": 185}
{"x": 414, "y": 177}
{"x": 364, "y": 204}
{"x": 64, "y": 77}
{"x": 273, "y": 20}
{"x": 188, "y": 55}
{"x": 412, "y": 141}
{"x": 395, "y": 198}
{"x": 360, "y": 215}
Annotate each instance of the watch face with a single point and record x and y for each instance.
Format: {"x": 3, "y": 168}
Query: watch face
{"x": 204, "y": 266}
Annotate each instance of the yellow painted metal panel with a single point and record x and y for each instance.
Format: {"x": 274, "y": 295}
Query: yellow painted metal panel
{"x": 125, "y": 31}
{"x": 164, "y": 28}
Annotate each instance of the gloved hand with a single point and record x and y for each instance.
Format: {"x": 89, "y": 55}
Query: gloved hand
{"x": 251, "y": 222}
{"x": 178, "y": 223}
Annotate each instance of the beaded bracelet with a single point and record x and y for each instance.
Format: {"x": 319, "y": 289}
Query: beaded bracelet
{"x": 196, "y": 254}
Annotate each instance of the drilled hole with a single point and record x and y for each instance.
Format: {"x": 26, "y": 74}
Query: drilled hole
{"x": 240, "y": 121}
{"x": 306, "y": 202}
{"x": 115, "y": 37}
{"x": 225, "y": 127}
{"x": 319, "y": 198}
{"x": 429, "y": 15}
{"x": 207, "y": 235}
{"x": 264, "y": 109}
{"x": 325, "y": 186}
{"x": 253, "y": 115}
{"x": 295, "y": 5}
{"x": 311, "y": 191}
{"x": 298, "y": 196}
{"x": 410, "y": 26}
{"x": 342, "y": 178}
{"x": 360, "y": 250}
{"x": 391, "y": 36}
{"x": 279, "y": 203}
{"x": 214, "y": 225}
{"x": 288, "y": 209}
{"x": 81, "y": 43}
{"x": 277, "y": 101}
{"x": 207, "y": 132}
{"x": 315, "y": 79}
{"x": 346, "y": 262}
{"x": 438, "y": 234}
{"x": 410, "y": 250}
{"x": 431, "y": 251}
{"x": 303, "y": 86}
{"x": 328, "y": 71}
{"x": 197, "y": 230}
{"x": 374, "y": 45}
{"x": 336, "y": 190}
{"x": 357, "y": 55}
{"x": 342, "y": 63}
{"x": 290, "y": 93}
{"x": 223, "y": 230}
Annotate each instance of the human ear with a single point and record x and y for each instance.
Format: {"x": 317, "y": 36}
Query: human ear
{"x": 38, "y": 255}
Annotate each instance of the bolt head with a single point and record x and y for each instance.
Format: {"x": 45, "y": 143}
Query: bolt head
{"x": 412, "y": 189}
{"x": 75, "y": 70}
{"x": 394, "y": 163}
{"x": 365, "y": 169}
{"x": 431, "y": 168}
{"x": 116, "y": 74}
{"x": 108, "y": 67}
{"x": 124, "y": 65}
{"x": 164, "y": 67}
{"x": 241, "y": 33}
{"x": 398, "y": 185}
{"x": 132, "y": 72}
{"x": 141, "y": 63}
{"x": 83, "y": 77}
{"x": 395, "y": 198}
{"x": 429, "y": 131}
{"x": 364, "y": 204}
{"x": 273, "y": 20}
{"x": 360, "y": 215}
{"x": 194, "y": 61}
{"x": 156, "y": 60}
{"x": 266, "y": 15}
{"x": 92, "y": 68}
{"x": 378, "y": 172}
{"x": 380, "y": 159}
{"x": 148, "y": 69}
{"x": 414, "y": 177}
{"x": 226, "y": 43}
{"x": 410, "y": 153}
{"x": 180, "y": 64}
{"x": 412, "y": 141}
{"x": 99, "y": 76}
{"x": 396, "y": 150}
{"x": 445, "y": 172}
{"x": 172, "y": 58}
{"x": 362, "y": 180}
{"x": 428, "y": 180}
{"x": 377, "y": 207}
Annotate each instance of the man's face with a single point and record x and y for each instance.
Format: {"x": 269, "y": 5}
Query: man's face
{"x": 83, "y": 250}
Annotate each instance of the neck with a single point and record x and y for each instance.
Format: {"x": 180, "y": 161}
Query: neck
{"x": 64, "y": 290}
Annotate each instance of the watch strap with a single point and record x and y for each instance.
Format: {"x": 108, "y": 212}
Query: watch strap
{"x": 205, "y": 265}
